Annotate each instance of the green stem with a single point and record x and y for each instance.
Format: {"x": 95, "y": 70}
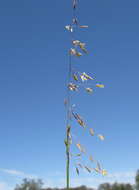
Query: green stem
{"x": 67, "y": 171}
{"x": 68, "y": 161}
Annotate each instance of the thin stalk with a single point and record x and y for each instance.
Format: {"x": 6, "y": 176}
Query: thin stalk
{"x": 68, "y": 162}
{"x": 68, "y": 122}
{"x": 68, "y": 126}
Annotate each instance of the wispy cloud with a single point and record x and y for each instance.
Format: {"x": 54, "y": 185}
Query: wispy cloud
{"x": 93, "y": 181}
{"x": 122, "y": 175}
{"x": 18, "y": 173}
{"x": 4, "y": 186}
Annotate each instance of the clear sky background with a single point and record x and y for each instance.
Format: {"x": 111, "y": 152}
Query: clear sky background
{"x": 33, "y": 71}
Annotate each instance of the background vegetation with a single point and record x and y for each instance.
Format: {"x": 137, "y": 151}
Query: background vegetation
{"x": 38, "y": 185}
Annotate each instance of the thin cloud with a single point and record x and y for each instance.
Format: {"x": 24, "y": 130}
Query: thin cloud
{"x": 122, "y": 174}
{"x": 93, "y": 181}
{"x": 4, "y": 186}
{"x": 17, "y": 173}
{"x": 56, "y": 179}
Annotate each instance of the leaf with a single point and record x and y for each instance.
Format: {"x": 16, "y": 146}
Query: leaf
{"x": 77, "y": 170}
{"x": 89, "y": 90}
{"x": 101, "y": 137}
{"x": 88, "y": 169}
{"x": 100, "y": 85}
{"x": 91, "y": 131}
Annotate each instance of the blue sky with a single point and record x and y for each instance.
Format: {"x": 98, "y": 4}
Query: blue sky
{"x": 33, "y": 71}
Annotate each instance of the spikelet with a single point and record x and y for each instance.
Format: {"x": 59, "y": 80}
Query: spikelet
{"x": 73, "y": 87}
{"x": 101, "y": 137}
{"x": 85, "y": 77}
{"x": 80, "y": 147}
{"x": 69, "y": 28}
{"x": 100, "y": 85}
{"x": 78, "y": 54}
{"x": 98, "y": 166}
{"x": 77, "y": 170}
{"x": 89, "y": 90}
{"x": 87, "y": 168}
{"x": 75, "y": 21}
{"x": 83, "y": 26}
{"x": 76, "y": 42}
{"x": 97, "y": 170}
{"x": 91, "y": 159}
{"x": 104, "y": 172}
{"x": 75, "y": 53}
{"x": 74, "y": 4}
{"x": 82, "y": 46}
{"x": 79, "y": 119}
{"x": 75, "y": 77}
{"x": 81, "y": 122}
{"x": 80, "y": 165}
{"x": 91, "y": 131}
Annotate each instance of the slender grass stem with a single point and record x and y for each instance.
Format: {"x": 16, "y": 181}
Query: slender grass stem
{"x": 68, "y": 162}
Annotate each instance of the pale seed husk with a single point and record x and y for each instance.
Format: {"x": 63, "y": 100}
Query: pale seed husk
{"x": 91, "y": 159}
{"x": 91, "y": 131}
{"x": 101, "y": 137}
{"x": 88, "y": 169}
{"x": 83, "y": 26}
{"x": 100, "y": 85}
{"x": 77, "y": 170}
{"x": 89, "y": 90}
